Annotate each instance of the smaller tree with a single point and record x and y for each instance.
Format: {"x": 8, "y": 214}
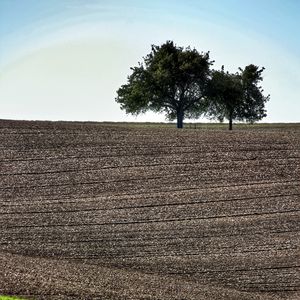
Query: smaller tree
{"x": 253, "y": 108}
{"x": 225, "y": 96}
{"x": 236, "y": 96}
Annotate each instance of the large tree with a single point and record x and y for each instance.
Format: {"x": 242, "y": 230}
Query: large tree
{"x": 237, "y": 96}
{"x": 171, "y": 79}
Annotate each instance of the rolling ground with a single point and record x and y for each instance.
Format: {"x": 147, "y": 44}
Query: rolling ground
{"x": 108, "y": 211}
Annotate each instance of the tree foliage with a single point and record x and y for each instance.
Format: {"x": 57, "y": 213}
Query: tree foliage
{"x": 171, "y": 79}
{"x": 254, "y": 99}
{"x": 179, "y": 82}
{"x": 237, "y": 96}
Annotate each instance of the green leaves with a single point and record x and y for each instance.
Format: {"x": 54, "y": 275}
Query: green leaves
{"x": 180, "y": 83}
{"x": 237, "y": 96}
{"x": 171, "y": 79}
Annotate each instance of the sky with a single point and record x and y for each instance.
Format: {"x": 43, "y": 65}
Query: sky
{"x": 65, "y": 59}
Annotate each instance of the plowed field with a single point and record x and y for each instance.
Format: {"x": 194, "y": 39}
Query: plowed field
{"x": 95, "y": 211}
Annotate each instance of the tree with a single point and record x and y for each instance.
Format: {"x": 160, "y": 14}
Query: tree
{"x": 237, "y": 96}
{"x": 254, "y": 100}
{"x": 225, "y": 96}
{"x": 170, "y": 79}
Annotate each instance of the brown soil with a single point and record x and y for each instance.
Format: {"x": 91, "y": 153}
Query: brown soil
{"x": 91, "y": 211}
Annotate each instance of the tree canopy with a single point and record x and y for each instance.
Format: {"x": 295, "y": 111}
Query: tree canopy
{"x": 179, "y": 82}
{"x": 170, "y": 79}
{"x": 236, "y": 96}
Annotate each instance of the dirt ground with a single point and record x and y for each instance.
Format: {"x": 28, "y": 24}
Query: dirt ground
{"x": 101, "y": 211}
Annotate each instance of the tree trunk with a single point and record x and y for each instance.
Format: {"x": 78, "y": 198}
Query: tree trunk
{"x": 230, "y": 123}
{"x": 180, "y": 116}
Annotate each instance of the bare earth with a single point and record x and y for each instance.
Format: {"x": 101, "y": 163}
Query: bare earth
{"x": 99, "y": 211}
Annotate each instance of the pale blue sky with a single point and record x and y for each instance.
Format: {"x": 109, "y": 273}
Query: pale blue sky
{"x": 65, "y": 59}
